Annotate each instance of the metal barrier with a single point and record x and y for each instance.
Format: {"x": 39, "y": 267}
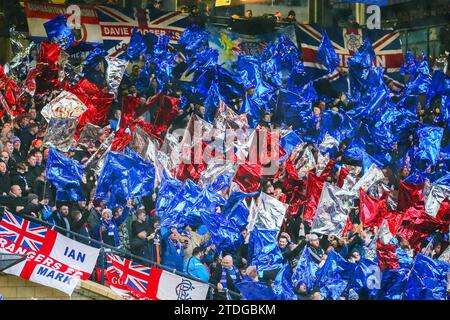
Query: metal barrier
{"x": 123, "y": 253}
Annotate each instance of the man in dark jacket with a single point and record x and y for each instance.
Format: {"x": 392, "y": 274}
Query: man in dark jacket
{"x": 225, "y": 277}
{"x": 5, "y": 179}
{"x": 61, "y": 218}
{"x": 142, "y": 236}
{"x": 78, "y": 223}
{"x": 18, "y": 178}
{"x": 316, "y": 252}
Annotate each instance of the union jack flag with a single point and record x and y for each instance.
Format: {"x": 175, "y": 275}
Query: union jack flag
{"x": 346, "y": 41}
{"x": 133, "y": 275}
{"x": 22, "y": 232}
{"x": 117, "y": 25}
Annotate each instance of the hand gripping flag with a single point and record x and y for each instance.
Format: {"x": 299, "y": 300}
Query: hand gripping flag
{"x": 53, "y": 259}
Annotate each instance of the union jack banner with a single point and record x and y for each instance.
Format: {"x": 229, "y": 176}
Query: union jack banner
{"x": 345, "y": 41}
{"x": 107, "y": 25}
{"x": 24, "y": 233}
{"x": 130, "y": 275}
{"x": 53, "y": 260}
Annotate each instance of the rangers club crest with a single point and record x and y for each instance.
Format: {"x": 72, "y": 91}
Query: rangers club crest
{"x": 352, "y": 41}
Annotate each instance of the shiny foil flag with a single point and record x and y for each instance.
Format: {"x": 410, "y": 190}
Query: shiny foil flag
{"x": 65, "y": 105}
{"x": 93, "y": 59}
{"x": 434, "y": 196}
{"x": 168, "y": 191}
{"x": 175, "y": 214}
{"x": 63, "y": 172}
{"x": 334, "y": 276}
{"x": 430, "y": 138}
{"x": 224, "y": 235}
{"x": 248, "y": 177}
{"x": 114, "y": 73}
{"x": 305, "y": 271}
{"x": 136, "y": 46}
{"x": 429, "y": 280}
{"x": 282, "y": 285}
{"x": 264, "y": 252}
{"x": 60, "y": 133}
{"x": 326, "y": 53}
{"x": 270, "y": 213}
{"x": 124, "y": 176}
{"x": 332, "y": 211}
{"x": 372, "y": 176}
{"x": 57, "y": 29}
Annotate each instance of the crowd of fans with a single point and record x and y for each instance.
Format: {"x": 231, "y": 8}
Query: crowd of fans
{"x": 135, "y": 228}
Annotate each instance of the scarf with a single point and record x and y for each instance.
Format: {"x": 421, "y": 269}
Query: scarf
{"x": 232, "y": 273}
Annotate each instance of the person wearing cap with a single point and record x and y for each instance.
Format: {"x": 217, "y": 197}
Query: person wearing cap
{"x": 33, "y": 207}
{"x": 193, "y": 265}
{"x": 316, "y": 252}
{"x": 17, "y": 154}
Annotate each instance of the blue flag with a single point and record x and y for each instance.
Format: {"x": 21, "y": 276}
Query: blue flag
{"x": 175, "y": 213}
{"x": 225, "y": 236}
{"x": 367, "y": 279}
{"x": 282, "y": 286}
{"x": 427, "y": 152}
{"x": 428, "y": 280}
{"x": 65, "y": 174}
{"x": 93, "y": 59}
{"x": 255, "y": 290}
{"x": 333, "y": 277}
{"x": 421, "y": 79}
{"x": 305, "y": 272}
{"x": 136, "y": 46}
{"x": 236, "y": 210}
{"x": 409, "y": 64}
{"x": 393, "y": 282}
{"x": 57, "y": 29}
{"x": 193, "y": 40}
{"x": 263, "y": 249}
{"x": 326, "y": 53}
{"x": 124, "y": 176}
{"x": 206, "y": 202}
{"x": 168, "y": 191}
{"x": 62, "y": 171}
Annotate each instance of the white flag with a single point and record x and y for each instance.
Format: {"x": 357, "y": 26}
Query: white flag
{"x": 333, "y": 210}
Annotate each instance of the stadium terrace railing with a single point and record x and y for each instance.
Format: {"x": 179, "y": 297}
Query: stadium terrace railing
{"x": 125, "y": 254}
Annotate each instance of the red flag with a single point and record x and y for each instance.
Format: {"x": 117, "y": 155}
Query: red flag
{"x": 410, "y": 195}
{"x": 343, "y": 173}
{"x": 248, "y": 177}
{"x": 387, "y": 259}
{"x": 371, "y": 210}
{"x": 49, "y": 53}
{"x": 418, "y": 225}
{"x": 86, "y": 91}
{"x": 314, "y": 186}
{"x": 444, "y": 211}
{"x": 165, "y": 109}
{"x": 121, "y": 140}
{"x": 129, "y": 106}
